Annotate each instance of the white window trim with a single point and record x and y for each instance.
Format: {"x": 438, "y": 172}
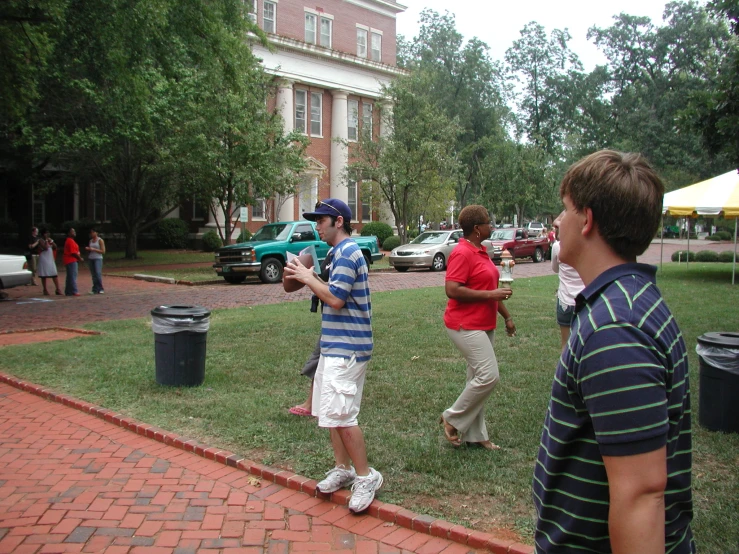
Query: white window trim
{"x": 371, "y": 118}
{"x": 349, "y": 120}
{"x": 316, "y": 27}
{"x": 264, "y": 210}
{"x": 274, "y": 20}
{"x": 370, "y": 48}
{"x": 306, "y": 110}
{"x": 330, "y": 33}
{"x": 253, "y": 13}
{"x": 320, "y": 114}
{"x": 366, "y": 41}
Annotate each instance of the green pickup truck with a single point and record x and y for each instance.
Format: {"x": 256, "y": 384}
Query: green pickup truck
{"x": 265, "y": 254}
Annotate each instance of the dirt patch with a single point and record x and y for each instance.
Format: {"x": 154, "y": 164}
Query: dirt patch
{"x": 31, "y": 336}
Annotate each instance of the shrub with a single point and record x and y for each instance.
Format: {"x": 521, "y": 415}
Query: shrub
{"x": 725, "y": 235}
{"x": 726, "y": 257}
{"x": 391, "y": 242}
{"x": 211, "y": 241}
{"x": 715, "y": 237}
{"x": 413, "y": 233}
{"x": 706, "y": 256}
{"x": 171, "y": 233}
{"x": 244, "y": 236}
{"x": 681, "y": 255}
{"x": 379, "y": 229}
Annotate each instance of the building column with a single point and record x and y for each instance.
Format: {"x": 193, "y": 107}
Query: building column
{"x": 286, "y": 108}
{"x": 386, "y": 129}
{"x": 339, "y": 149}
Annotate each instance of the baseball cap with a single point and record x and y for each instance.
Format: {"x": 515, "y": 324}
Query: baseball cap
{"x": 330, "y": 206}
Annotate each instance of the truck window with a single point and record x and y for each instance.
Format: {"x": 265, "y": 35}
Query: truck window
{"x": 305, "y": 232}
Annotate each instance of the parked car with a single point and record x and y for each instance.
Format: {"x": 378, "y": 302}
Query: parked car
{"x": 266, "y": 253}
{"x": 430, "y": 249}
{"x": 518, "y": 242}
{"x": 534, "y": 228}
{"x": 13, "y": 272}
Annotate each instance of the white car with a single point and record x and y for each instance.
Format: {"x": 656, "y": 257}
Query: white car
{"x": 429, "y": 249}
{"x": 13, "y": 271}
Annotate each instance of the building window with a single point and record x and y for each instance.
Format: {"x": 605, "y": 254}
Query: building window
{"x": 352, "y": 200}
{"x": 301, "y": 100}
{"x": 326, "y": 25}
{"x": 199, "y": 210}
{"x": 310, "y": 28}
{"x": 252, "y": 8}
{"x": 268, "y": 17}
{"x": 258, "y": 209}
{"x": 316, "y": 100}
{"x": 352, "y": 119}
{"x": 361, "y": 42}
{"x": 376, "y": 47}
{"x": 366, "y": 208}
{"x": 367, "y": 119}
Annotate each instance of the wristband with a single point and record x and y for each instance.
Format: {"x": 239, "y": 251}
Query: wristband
{"x": 510, "y": 318}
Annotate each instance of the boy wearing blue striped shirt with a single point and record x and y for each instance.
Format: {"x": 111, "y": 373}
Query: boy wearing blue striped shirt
{"x": 346, "y": 349}
{"x": 613, "y": 473}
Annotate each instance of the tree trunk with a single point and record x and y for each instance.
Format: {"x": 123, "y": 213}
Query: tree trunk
{"x": 132, "y": 237}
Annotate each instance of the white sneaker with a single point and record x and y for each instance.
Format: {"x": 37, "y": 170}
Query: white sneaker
{"x": 364, "y": 490}
{"x": 337, "y": 478}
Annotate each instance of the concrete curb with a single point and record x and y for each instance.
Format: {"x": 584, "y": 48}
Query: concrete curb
{"x": 381, "y": 510}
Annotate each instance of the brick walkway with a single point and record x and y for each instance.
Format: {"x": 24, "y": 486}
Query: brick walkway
{"x": 72, "y": 482}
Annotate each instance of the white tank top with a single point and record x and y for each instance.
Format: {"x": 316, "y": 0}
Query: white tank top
{"x": 95, "y": 255}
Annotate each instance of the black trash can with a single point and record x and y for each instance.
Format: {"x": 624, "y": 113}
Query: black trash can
{"x": 719, "y": 381}
{"x": 180, "y": 334}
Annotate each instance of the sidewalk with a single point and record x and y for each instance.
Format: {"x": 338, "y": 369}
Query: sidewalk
{"x": 73, "y": 482}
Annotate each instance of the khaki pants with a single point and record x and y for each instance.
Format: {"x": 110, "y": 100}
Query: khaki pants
{"x": 467, "y": 414}
{"x": 32, "y": 265}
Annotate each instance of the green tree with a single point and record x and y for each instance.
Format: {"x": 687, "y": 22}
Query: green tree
{"x": 121, "y": 86}
{"x": 414, "y": 162}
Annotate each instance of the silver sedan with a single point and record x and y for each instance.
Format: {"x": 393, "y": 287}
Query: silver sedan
{"x": 430, "y": 249}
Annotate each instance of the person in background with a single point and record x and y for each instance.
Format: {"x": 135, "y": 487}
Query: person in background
{"x": 470, "y": 318}
{"x": 346, "y": 350}
{"x": 70, "y": 258}
{"x": 96, "y": 248}
{"x": 33, "y": 252}
{"x": 613, "y": 472}
{"x": 570, "y": 286}
{"x": 47, "y": 261}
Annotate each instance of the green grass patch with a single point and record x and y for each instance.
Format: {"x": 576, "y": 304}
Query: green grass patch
{"x": 192, "y": 274}
{"x": 115, "y": 259}
{"x": 254, "y": 354}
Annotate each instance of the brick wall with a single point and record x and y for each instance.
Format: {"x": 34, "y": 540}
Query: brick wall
{"x": 290, "y": 22}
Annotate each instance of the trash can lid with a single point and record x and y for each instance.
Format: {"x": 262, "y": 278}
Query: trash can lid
{"x": 725, "y": 340}
{"x": 184, "y": 312}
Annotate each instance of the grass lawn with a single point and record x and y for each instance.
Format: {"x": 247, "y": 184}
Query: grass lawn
{"x": 252, "y": 378}
{"x": 115, "y": 259}
{"x": 192, "y": 274}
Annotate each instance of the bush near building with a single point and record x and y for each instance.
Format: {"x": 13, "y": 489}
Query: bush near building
{"x": 682, "y": 255}
{"x": 171, "y": 233}
{"x": 391, "y": 242}
{"x": 381, "y": 230}
{"x": 706, "y": 256}
{"x": 211, "y": 241}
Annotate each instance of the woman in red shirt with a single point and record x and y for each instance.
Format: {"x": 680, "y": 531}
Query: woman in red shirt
{"x": 470, "y": 318}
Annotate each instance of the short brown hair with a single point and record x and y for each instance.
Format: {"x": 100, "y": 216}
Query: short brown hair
{"x": 472, "y": 215}
{"x": 625, "y": 195}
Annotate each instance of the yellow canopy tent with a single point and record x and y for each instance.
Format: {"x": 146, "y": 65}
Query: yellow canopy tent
{"x": 714, "y": 197}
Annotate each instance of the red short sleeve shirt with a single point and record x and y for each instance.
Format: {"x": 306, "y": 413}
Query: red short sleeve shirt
{"x": 70, "y": 249}
{"x": 473, "y": 268}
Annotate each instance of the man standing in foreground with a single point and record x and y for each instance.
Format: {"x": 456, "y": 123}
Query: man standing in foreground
{"x": 613, "y": 472}
{"x": 346, "y": 349}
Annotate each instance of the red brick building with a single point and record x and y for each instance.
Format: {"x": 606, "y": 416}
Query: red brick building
{"x": 329, "y": 59}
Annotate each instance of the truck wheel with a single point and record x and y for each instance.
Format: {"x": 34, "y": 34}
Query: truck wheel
{"x": 401, "y": 269}
{"x": 271, "y": 271}
{"x": 439, "y": 263}
{"x": 367, "y": 259}
{"x": 235, "y": 279}
{"x": 538, "y": 255}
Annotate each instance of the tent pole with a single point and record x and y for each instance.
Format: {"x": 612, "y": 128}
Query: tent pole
{"x": 733, "y": 269}
{"x": 687, "y": 256}
{"x": 662, "y": 240}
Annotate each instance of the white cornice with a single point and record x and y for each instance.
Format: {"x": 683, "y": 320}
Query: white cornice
{"x": 384, "y": 7}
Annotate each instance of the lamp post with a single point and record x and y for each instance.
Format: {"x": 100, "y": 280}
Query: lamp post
{"x": 506, "y": 269}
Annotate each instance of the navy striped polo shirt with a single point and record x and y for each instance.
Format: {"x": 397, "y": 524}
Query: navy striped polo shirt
{"x": 621, "y": 388}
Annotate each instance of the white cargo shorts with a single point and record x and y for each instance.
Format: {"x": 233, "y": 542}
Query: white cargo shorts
{"x": 337, "y": 391}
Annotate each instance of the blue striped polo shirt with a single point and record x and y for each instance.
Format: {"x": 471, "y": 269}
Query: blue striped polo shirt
{"x": 621, "y": 388}
{"x": 348, "y": 331}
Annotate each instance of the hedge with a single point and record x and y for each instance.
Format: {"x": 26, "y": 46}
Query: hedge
{"x": 391, "y": 242}
{"x": 381, "y": 230}
{"x": 211, "y": 241}
{"x": 680, "y": 255}
{"x": 171, "y": 233}
{"x": 244, "y": 236}
{"x": 706, "y": 256}
{"x": 727, "y": 256}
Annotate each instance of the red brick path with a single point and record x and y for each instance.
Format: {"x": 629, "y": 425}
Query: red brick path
{"x": 71, "y": 482}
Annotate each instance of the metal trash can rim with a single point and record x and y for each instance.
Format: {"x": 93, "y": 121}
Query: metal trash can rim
{"x": 181, "y": 312}
{"x": 720, "y": 339}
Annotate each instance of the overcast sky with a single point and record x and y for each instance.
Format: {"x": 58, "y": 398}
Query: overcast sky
{"x": 498, "y": 23}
